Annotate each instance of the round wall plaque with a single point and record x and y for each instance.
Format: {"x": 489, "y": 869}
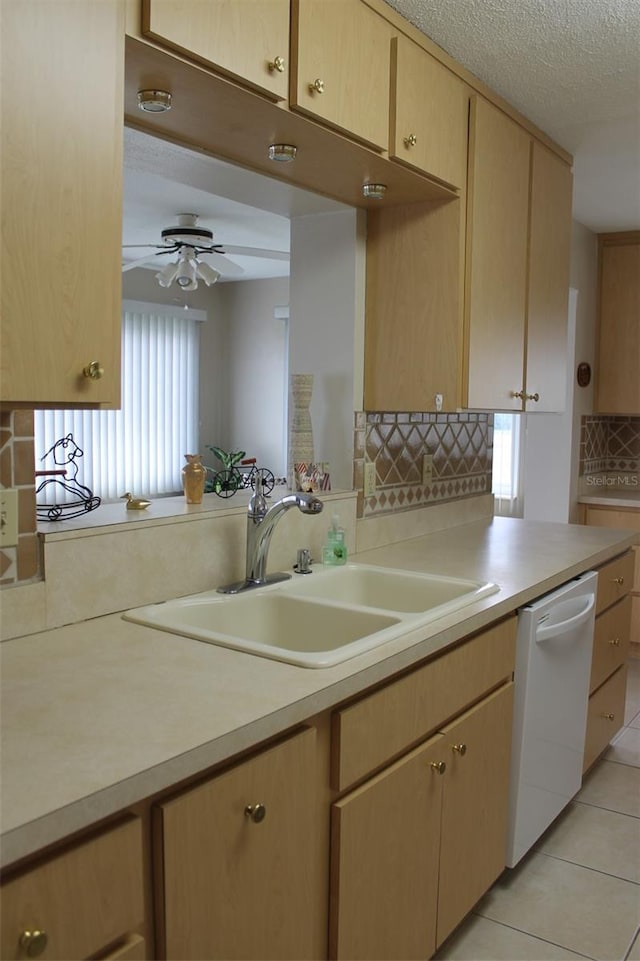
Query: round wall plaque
{"x": 584, "y": 374}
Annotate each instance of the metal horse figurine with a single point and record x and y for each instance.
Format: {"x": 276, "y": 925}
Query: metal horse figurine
{"x": 65, "y": 453}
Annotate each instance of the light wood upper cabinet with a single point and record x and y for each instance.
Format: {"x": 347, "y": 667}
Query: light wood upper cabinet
{"x": 548, "y": 287}
{"x": 249, "y": 42}
{"x": 340, "y": 67}
{"x": 496, "y": 257}
{"x": 81, "y": 902}
{"x": 518, "y": 248}
{"x": 413, "y": 312}
{"x": 243, "y": 860}
{"x": 61, "y": 157}
{"x": 429, "y": 114}
{"x": 618, "y": 342}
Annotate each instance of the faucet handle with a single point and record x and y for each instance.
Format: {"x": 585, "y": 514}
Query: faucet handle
{"x": 303, "y": 565}
{"x": 258, "y": 503}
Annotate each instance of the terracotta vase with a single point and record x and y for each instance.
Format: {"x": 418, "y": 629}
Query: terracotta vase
{"x": 193, "y": 477}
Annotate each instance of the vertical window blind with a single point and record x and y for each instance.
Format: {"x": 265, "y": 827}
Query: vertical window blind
{"x": 141, "y": 447}
{"x": 507, "y": 461}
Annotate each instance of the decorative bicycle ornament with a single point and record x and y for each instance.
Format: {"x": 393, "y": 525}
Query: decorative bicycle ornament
{"x": 238, "y": 473}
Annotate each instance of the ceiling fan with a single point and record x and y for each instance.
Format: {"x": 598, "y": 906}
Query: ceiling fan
{"x": 190, "y": 242}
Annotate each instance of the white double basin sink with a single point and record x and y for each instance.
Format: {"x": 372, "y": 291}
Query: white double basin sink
{"x": 316, "y": 620}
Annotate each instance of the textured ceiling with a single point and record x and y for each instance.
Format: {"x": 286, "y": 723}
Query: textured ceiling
{"x": 573, "y": 68}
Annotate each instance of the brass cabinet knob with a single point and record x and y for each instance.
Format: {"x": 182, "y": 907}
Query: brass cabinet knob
{"x": 460, "y": 749}
{"x": 33, "y": 942}
{"x": 618, "y": 580}
{"x": 276, "y": 64}
{"x": 517, "y": 393}
{"x": 615, "y": 642}
{"x": 608, "y": 717}
{"x": 93, "y": 370}
{"x": 439, "y": 766}
{"x": 317, "y": 86}
{"x": 255, "y": 812}
{"x": 411, "y": 140}
{"x": 535, "y": 397}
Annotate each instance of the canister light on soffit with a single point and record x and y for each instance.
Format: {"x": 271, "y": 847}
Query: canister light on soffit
{"x": 282, "y": 152}
{"x": 154, "y": 101}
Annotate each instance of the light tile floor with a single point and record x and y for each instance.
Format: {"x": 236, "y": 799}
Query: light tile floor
{"x": 577, "y": 893}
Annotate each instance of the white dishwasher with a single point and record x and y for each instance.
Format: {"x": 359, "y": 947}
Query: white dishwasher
{"x": 553, "y": 667}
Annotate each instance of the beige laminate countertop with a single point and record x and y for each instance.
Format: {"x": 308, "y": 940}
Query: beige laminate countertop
{"x": 99, "y": 715}
{"x": 602, "y": 496}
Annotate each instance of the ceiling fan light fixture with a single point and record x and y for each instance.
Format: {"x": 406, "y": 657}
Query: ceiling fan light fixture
{"x": 186, "y": 274}
{"x": 207, "y": 273}
{"x": 374, "y": 191}
{"x": 154, "y": 101}
{"x": 282, "y": 152}
{"x": 167, "y": 275}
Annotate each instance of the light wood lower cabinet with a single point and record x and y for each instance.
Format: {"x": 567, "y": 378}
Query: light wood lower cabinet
{"x": 80, "y": 903}
{"x": 605, "y": 715}
{"x": 416, "y": 846}
{"x": 243, "y": 863}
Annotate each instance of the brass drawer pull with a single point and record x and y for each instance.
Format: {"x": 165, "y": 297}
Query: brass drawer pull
{"x": 317, "y": 86}
{"x": 93, "y": 370}
{"x": 608, "y": 717}
{"x": 411, "y": 140}
{"x": 256, "y": 812}
{"x": 33, "y": 942}
{"x": 535, "y": 397}
{"x": 618, "y": 580}
{"x": 439, "y": 766}
{"x": 615, "y": 642}
{"x": 460, "y": 749}
{"x": 276, "y": 64}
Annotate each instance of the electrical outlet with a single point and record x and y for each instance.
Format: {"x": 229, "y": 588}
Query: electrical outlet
{"x": 369, "y": 480}
{"x": 427, "y": 469}
{"x": 8, "y": 517}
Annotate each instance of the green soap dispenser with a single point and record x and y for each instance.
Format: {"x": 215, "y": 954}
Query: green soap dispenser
{"x": 334, "y": 551}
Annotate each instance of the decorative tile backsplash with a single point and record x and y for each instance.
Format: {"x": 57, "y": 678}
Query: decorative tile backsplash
{"x": 609, "y": 443}
{"x": 21, "y": 563}
{"x": 461, "y": 447}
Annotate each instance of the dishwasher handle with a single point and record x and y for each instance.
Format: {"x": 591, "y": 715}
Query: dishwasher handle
{"x": 546, "y": 631}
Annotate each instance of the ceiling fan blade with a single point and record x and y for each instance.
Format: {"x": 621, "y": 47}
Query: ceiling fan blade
{"x": 158, "y": 246}
{"x": 137, "y": 263}
{"x": 260, "y": 252}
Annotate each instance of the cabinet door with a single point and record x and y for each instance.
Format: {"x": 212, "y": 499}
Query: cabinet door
{"x": 496, "y": 257}
{"x": 236, "y": 885}
{"x": 618, "y": 384}
{"x": 548, "y": 294}
{"x": 413, "y": 333}
{"x": 429, "y": 114}
{"x": 605, "y": 716}
{"x": 61, "y": 156}
{"x": 248, "y": 41}
{"x": 80, "y": 902}
{"x": 475, "y": 806}
{"x": 384, "y": 861}
{"x": 610, "y": 641}
{"x": 341, "y": 56}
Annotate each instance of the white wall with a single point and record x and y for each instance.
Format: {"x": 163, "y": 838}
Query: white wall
{"x": 256, "y": 362}
{"x": 326, "y": 329}
{"x": 553, "y": 440}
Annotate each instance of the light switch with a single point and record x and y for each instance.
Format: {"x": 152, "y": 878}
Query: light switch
{"x": 8, "y": 517}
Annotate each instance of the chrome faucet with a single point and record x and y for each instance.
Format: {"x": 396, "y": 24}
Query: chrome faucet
{"x": 261, "y": 521}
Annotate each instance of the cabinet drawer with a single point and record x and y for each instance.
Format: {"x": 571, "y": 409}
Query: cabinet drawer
{"x": 379, "y": 727}
{"x": 615, "y": 580}
{"x": 82, "y": 900}
{"x": 610, "y": 641}
{"x": 605, "y": 716}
